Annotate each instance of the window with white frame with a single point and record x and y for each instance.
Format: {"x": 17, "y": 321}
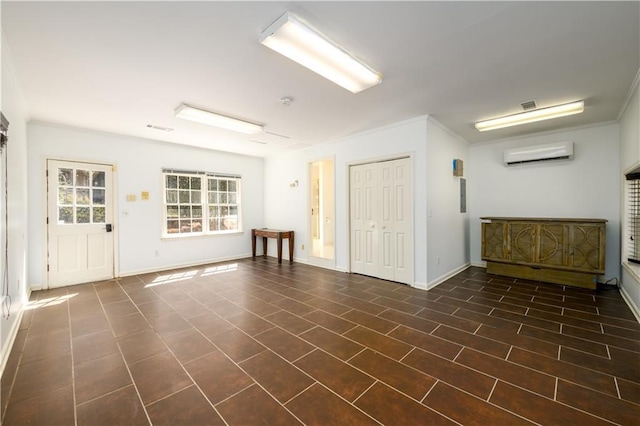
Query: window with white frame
{"x": 201, "y": 203}
{"x": 633, "y": 216}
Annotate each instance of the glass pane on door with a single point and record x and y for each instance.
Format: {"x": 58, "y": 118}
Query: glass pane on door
{"x": 81, "y": 196}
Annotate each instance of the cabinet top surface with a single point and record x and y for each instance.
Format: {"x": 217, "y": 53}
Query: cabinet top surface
{"x": 543, "y": 219}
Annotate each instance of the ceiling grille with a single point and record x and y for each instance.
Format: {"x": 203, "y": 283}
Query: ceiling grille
{"x": 526, "y": 106}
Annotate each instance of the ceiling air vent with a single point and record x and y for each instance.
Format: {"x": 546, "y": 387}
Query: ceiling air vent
{"x": 526, "y": 106}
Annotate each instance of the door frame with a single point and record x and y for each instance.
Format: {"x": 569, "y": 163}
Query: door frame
{"x": 45, "y": 213}
{"x": 314, "y": 260}
{"x": 399, "y": 156}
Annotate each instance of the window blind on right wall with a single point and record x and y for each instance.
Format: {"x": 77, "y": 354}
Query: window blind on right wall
{"x": 633, "y": 217}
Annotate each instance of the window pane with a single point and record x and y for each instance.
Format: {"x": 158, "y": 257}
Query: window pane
{"x": 82, "y": 177}
{"x": 222, "y": 185}
{"x": 184, "y": 197}
{"x": 196, "y": 226}
{"x": 172, "y": 227}
{"x": 213, "y": 198}
{"x": 183, "y": 182}
{"x": 196, "y": 197}
{"x": 172, "y": 197}
{"x": 98, "y": 196}
{"x": 195, "y": 183}
{"x": 232, "y": 186}
{"x": 65, "y": 176}
{"x": 185, "y": 226}
{"x": 65, "y": 215}
{"x": 65, "y": 195}
{"x": 82, "y": 215}
{"x": 172, "y": 211}
{"x": 224, "y": 211}
{"x": 213, "y": 184}
{"x": 232, "y": 199}
{"x": 185, "y": 212}
{"x": 97, "y": 180}
{"x": 223, "y": 198}
{"x": 213, "y": 225}
{"x": 196, "y": 212}
{"x": 233, "y": 211}
{"x": 82, "y": 196}
{"x": 230, "y": 224}
{"x": 172, "y": 181}
{"x": 98, "y": 215}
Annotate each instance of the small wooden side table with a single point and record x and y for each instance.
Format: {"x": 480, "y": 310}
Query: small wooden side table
{"x": 272, "y": 233}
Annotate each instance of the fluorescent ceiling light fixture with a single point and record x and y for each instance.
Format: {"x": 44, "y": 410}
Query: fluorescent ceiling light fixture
{"x": 187, "y": 112}
{"x": 531, "y": 116}
{"x": 298, "y": 42}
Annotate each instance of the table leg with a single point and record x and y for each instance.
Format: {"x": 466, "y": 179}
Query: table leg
{"x": 264, "y": 246}
{"x": 279, "y": 248}
{"x": 253, "y": 242}
{"x": 291, "y": 246}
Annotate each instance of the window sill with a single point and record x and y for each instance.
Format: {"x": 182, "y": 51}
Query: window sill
{"x": 180, "y": 237}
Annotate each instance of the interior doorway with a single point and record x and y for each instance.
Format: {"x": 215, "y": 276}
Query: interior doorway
{"x": 322, "y": 212}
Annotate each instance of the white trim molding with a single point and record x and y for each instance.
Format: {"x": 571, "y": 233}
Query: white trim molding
{"x": 443, "y": 278}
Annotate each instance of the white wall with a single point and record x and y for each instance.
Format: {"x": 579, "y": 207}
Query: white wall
{"x": 138, "y": 225}
{"x": 447, "y": 228}
{"x": 432, "y": 150}
{"x": 630, "y": 150}
{"x": 288, "y": 208}
{"x": 585, "y": 187}
{"x": 14, "y": 109}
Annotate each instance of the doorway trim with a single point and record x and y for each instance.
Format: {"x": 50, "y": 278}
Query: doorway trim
{"x": 401, "y": 155}
{"x": 311, "y": 259}
{"x": 45, "y": 213}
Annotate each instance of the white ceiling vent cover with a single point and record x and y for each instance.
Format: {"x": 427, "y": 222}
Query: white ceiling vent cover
{"x": 533, "y": 154}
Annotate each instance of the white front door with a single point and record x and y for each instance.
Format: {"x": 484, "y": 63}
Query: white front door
{"x": 80, "y": 214}
{"x": 381, "y": 220}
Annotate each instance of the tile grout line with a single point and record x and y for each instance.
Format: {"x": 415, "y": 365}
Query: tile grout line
{"x": 615, "y": 380}
{"x": 429, "y": 390}
{"x": 492, "y": 389}
{"x": 73, "y": 367}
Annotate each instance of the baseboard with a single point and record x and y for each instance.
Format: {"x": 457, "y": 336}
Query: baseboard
{"x": 480, "y": 264}
{"x": 317, "y": 265}
{"x": 629, "y": 302}
{"x": 183, "y": 265}
{"x": 420, "y": 285}
{"x": 11, "y": 338}
{"x": 446, "y": 276}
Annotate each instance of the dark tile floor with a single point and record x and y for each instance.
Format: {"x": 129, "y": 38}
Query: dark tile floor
{"x": 254, "y": 342}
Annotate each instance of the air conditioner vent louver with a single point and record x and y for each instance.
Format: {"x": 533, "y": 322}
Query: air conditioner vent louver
{"x": 531, "y": 154}
{"x": 528, "y": 105}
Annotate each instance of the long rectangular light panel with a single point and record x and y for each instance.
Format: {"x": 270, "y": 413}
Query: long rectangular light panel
{"x": 295, "y": 40}
{"x": 531, "y": 116}
{"x": 187, "y": 112}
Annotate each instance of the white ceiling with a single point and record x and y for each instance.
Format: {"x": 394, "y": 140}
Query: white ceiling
{"x": 118, "y": 66}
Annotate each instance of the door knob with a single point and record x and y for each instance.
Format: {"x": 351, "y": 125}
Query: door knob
{"x": 109, "y": 228}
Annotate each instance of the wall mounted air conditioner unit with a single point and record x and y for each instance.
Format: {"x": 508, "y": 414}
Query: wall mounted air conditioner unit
{"x": 533, "y": 154}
